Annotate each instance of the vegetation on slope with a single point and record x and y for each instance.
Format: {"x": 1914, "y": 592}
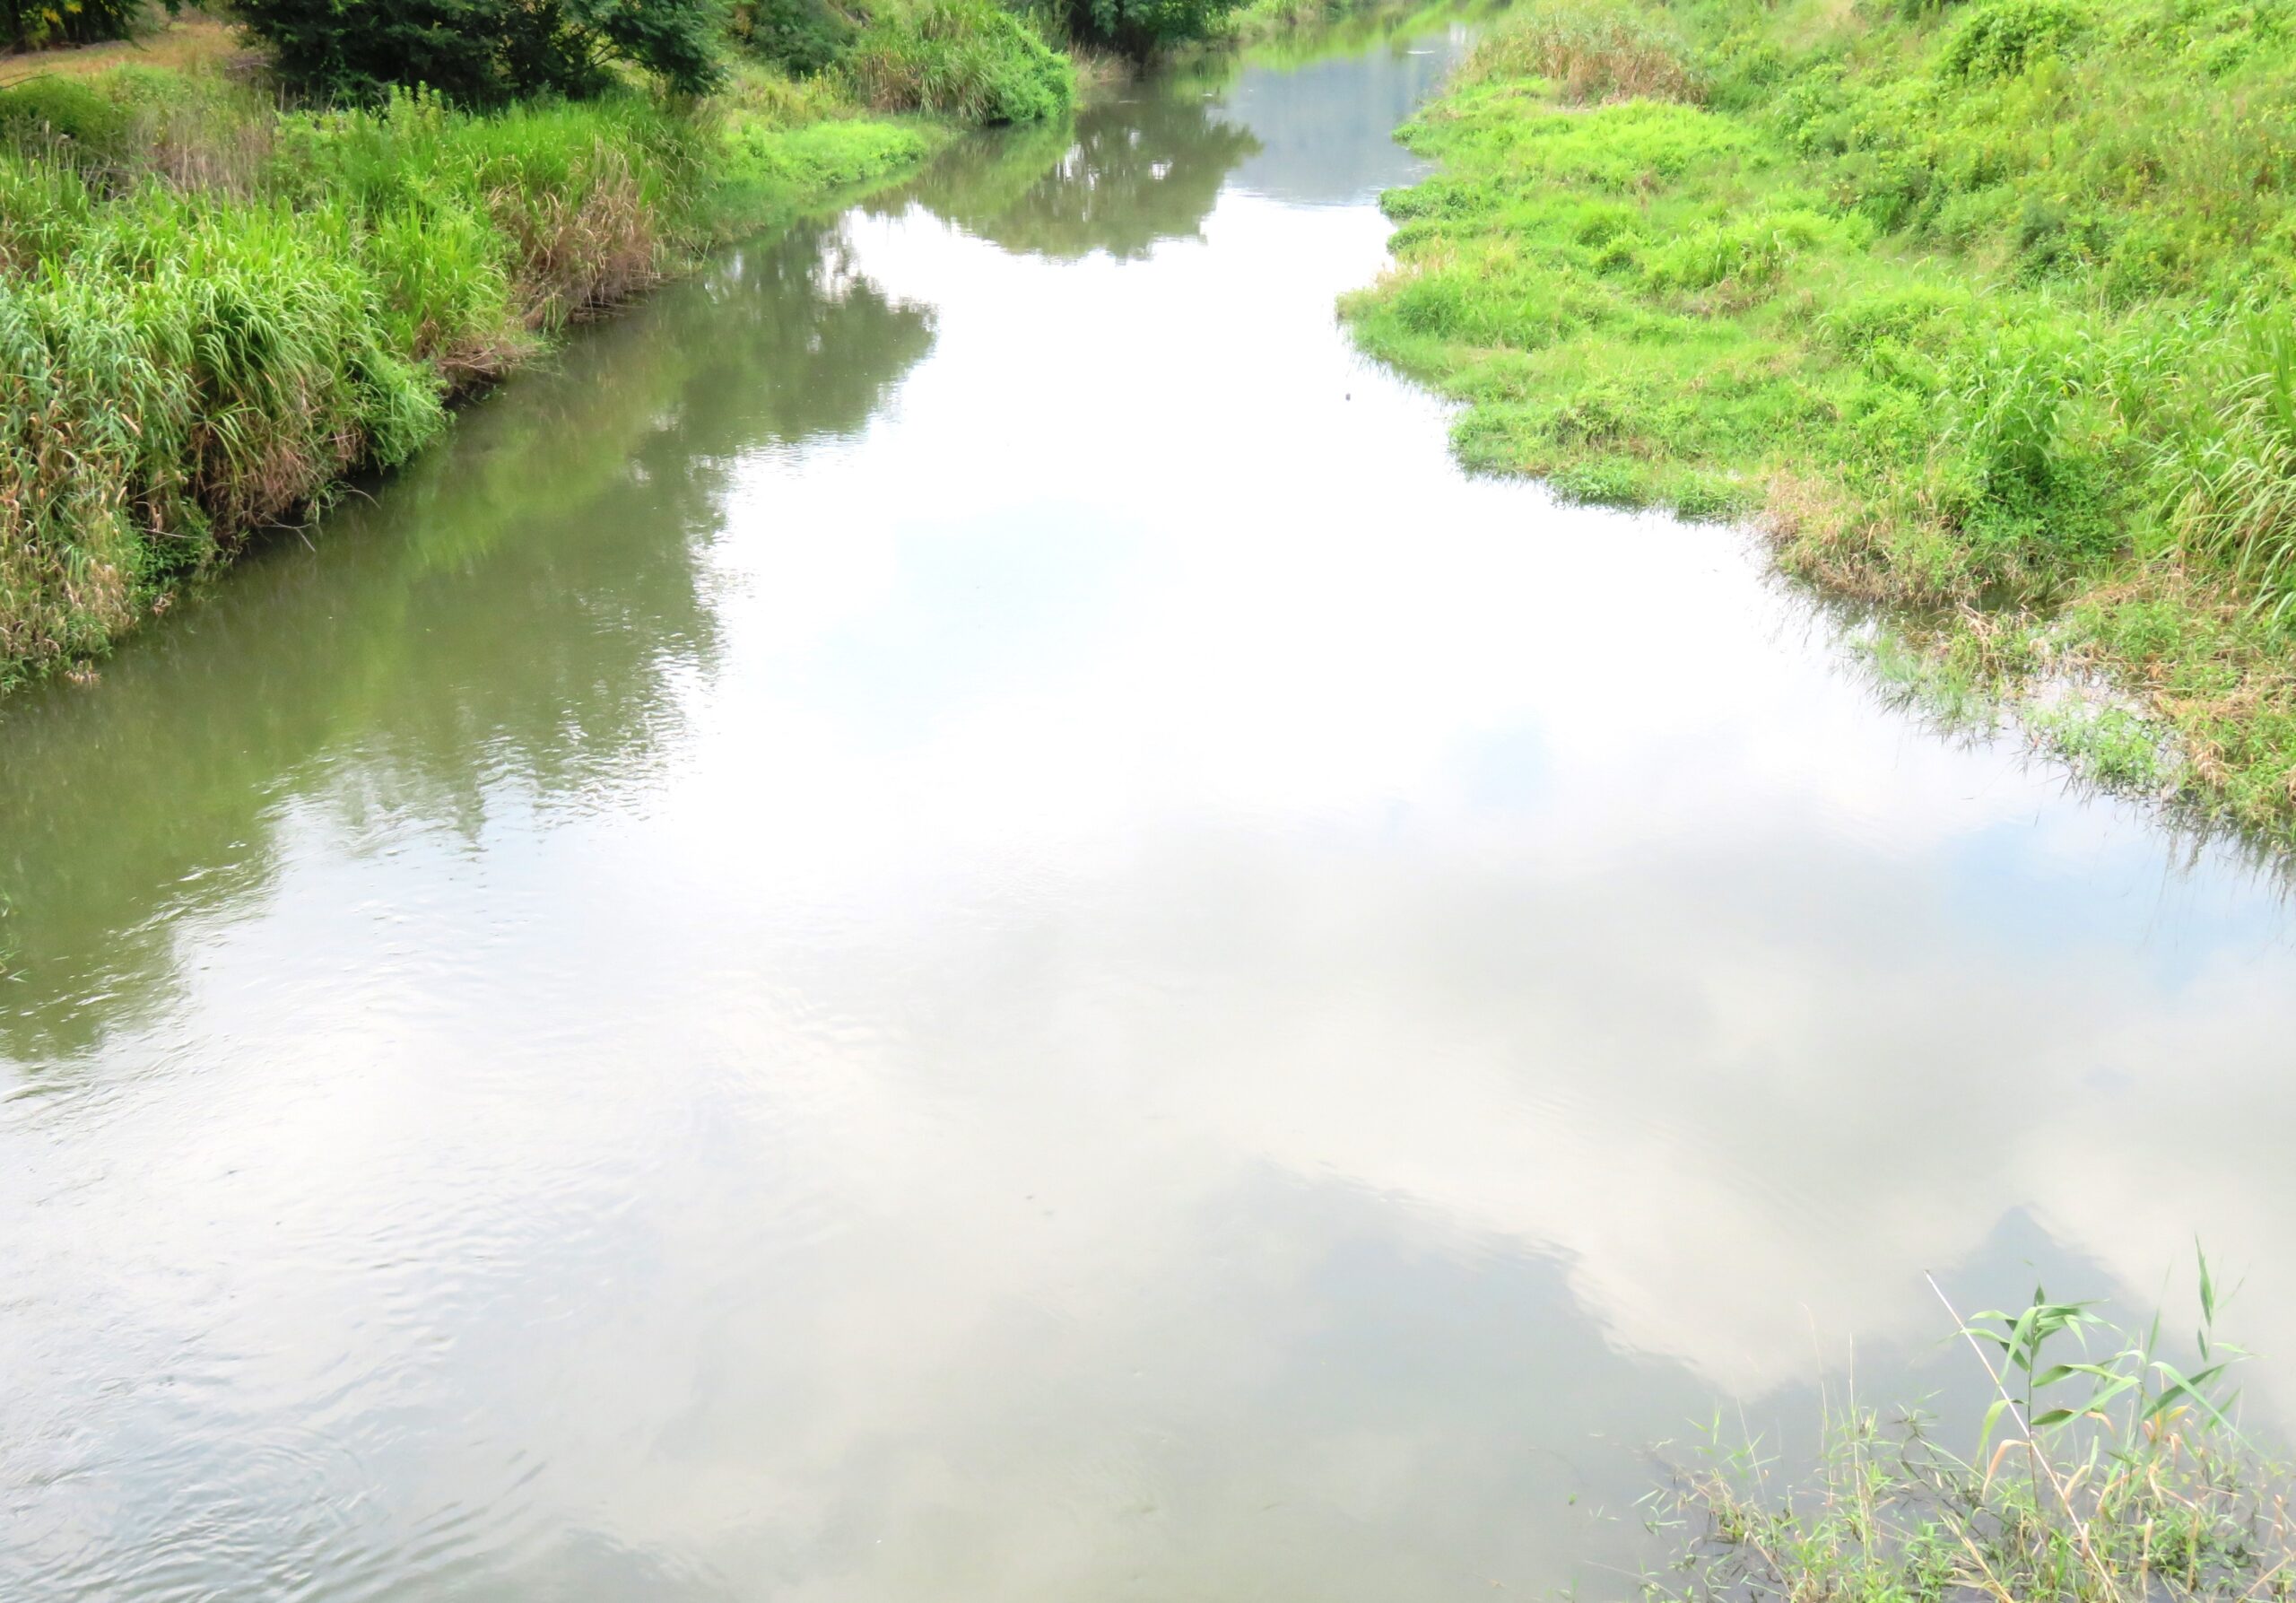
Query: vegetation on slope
{"x": 211, "y": 310}
{"x": 1983, "y": 306}
{"x": 970, "y": 59}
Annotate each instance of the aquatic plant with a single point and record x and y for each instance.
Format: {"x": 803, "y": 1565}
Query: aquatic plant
{"x": 2104, "y": 1472}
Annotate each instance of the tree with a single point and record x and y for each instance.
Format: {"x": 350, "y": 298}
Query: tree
{"x": 31, "y": 25}
{"x": 483, "y": 52}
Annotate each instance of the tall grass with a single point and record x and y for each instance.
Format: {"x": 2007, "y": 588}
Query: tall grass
{"x": 970, "y": 59}
{"x": 2229, "y": 467}
{"x": 1589, "y": 53}
{"x": 211, "y": 310}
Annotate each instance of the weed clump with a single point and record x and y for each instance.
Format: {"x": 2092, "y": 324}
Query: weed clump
{"x": 1590, "y": 52}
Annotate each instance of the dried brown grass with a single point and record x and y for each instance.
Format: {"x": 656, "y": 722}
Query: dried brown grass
{"x": 583, "y": 250}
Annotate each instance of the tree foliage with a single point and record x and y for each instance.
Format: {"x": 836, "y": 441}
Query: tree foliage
{"x": 484, "y": 52}
{"x": 32, "y": 24}
{"x": 1141, "y": 27}
{"x": 804, "y": 36}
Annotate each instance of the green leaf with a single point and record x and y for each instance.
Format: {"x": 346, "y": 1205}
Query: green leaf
{"x": 2187, "y": 1389}
{"x": 1992, "y": 1418}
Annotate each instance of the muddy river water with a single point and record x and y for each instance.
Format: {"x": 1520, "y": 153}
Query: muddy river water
{"x": 946, "y": 918}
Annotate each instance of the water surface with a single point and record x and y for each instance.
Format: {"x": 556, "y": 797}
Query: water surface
{"x": 946, "y": 918}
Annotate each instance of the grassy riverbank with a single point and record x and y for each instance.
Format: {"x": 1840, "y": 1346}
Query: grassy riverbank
{"x": 1982, "y": 307}
{"x": 211, "y": 310}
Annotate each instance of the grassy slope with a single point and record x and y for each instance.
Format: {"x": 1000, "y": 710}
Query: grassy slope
{"x": 210, "y": 311}
{"x": 1983, "y": 306}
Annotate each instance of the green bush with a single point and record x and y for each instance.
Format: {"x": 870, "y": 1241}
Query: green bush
{"x": 804, "y": 36}
{"x": 182, "y": 362}
{"x": 65, "y": 116}
{"x": 968, "y": 59}
{"x": 2004, "y": 38}
{"x": 483, "y": 52}
{"x": 1140, "y": 29}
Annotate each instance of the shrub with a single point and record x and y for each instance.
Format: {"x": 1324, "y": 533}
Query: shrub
{"x": 64, "y": 115}
{"x": 483, "y": 52}
{"x": 805, "y": 36}
{"x": 964, "y": 58}
{"x": 2008, "y": 37}
{"x": 1142, "y": 28}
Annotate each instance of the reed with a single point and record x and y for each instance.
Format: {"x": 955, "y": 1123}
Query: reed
{"x": 2104, "y": 1472}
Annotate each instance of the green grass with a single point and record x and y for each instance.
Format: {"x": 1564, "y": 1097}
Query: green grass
{"x": 211, "y": 310}
{"x": 970, "y": 59}
{"x": 2106, "y": 1470}
{"x": 1981, "y": 307}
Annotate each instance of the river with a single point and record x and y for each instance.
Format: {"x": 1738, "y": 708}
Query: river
{"x": 945, "y": 918}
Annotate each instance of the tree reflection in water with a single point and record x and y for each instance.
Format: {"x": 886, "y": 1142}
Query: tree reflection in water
{"x": 1120, "y": 179}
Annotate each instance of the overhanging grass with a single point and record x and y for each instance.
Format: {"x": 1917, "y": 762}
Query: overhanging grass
{"x": 1983, "y": 308}
{"x": 211, "y": 310}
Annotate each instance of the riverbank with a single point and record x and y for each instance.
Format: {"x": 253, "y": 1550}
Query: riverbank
{"x": 1981, "y": 310}
{"x": 213, "y": 310}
